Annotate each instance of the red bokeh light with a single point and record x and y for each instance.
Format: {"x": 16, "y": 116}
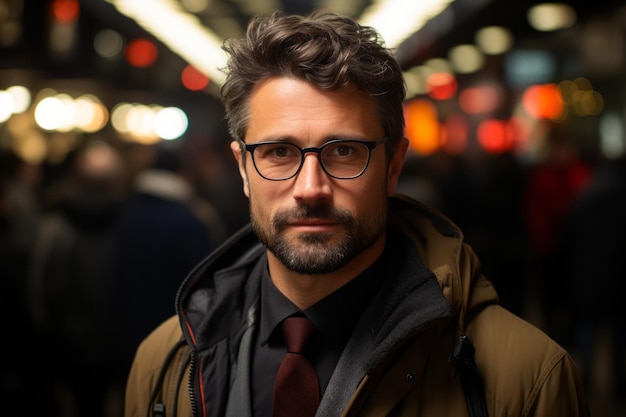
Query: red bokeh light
{"x": 66, "y": 11}
{"x": 441, "y": 86}
{"x": 141, "y": 53}
{"x": 480, "y": 100}
{"x": 496, "y": 136}
{"x": 193, "y": 79}
{"x": 520, "y": 128}
{"x": 456, "y": 129}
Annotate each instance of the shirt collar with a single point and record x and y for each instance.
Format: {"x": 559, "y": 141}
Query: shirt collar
{"x": 275, "y": 307}
{"x": 334, "y": 316}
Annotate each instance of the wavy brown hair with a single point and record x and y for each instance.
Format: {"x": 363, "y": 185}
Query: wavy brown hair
{"x": 328, "y": 50}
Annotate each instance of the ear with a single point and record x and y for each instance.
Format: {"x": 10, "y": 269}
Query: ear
{"x": 395, "y": 165}
{"x": 235, "y": 147}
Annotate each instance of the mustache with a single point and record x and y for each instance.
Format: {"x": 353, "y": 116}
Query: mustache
{"x": 320, "y": 211}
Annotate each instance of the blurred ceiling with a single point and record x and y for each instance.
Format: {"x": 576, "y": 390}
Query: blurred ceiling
{"x": 455, "y": 24}
{"x": 228, "y": 18}
{"x": 459, "y": 23}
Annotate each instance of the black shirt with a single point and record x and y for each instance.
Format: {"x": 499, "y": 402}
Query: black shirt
{"x": 334, "y": 318}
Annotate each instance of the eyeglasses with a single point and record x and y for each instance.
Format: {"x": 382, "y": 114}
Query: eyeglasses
{"x": 343, "y": 159}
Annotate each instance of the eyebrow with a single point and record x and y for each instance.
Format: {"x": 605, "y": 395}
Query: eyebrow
{"x": 286, "y": 139}
{"x": 292, "y": 140}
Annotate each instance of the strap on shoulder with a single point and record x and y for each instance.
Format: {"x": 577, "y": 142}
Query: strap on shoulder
{"x": 462, "y": 358}
{"x": 157, "y": 409}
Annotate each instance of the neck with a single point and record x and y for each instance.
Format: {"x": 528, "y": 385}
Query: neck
{"x": 304, "y": 290}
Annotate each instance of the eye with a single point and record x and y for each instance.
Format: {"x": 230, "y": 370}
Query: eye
{"x": 277, "y": 151}
{"x": 345, "y": 150}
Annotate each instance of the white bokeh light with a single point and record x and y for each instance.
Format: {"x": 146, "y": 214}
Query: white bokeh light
{"x": 6, "y": 106}
{"x": 21, "y": 98}
{"x": 50, "y": 113}
{"x": 170, "y": 123}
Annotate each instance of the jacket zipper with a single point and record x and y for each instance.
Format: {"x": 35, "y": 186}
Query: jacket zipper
{"x": 191, "y": 386}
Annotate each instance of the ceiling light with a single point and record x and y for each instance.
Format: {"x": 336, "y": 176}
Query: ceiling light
{"x": 466, "y": 59}
{"x": 494, "y": 40}
{"x": 551, "y": 16}
{"x": 195, "y": 6}
{"x": 396, "y": 20}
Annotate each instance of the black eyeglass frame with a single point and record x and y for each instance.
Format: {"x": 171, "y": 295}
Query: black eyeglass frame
{"x": 250, "y": 147}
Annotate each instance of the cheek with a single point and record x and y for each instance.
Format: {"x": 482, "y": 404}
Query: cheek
{"x": 264, "y": 196}
{"x": 375, "y": 181}
{"x": 362, "y": 197}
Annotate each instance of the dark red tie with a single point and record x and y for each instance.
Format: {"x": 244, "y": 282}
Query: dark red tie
{"x": 296, "y": 391}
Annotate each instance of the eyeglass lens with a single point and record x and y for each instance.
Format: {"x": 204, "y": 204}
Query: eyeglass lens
{"x": 342, "y": 159}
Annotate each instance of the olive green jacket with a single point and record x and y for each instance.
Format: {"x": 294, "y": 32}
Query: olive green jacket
{"x": 396, "y": 363}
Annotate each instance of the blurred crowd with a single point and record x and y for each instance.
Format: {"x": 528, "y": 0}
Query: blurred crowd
{"x": 93, "y": 249}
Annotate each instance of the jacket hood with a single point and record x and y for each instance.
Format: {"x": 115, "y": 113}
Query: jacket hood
{"x": 440, "y": 245}
{"x": 164, "y": 184}
{"x": 219, "y": 284}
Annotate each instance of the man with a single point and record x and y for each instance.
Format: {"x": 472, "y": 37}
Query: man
{"x": 315, "y": 109}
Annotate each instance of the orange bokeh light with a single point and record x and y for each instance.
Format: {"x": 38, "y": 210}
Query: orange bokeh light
{"x": 543, "y": 101}
{"x": 141, "y": 53}
{"x": 422, "y": 126}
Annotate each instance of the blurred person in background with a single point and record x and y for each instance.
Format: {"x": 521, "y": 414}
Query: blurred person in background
{"x": 550, "y": 190}
{"x": 209, "y": 166}
{"x": 165, "y": 229}
{"x": 72, "y": 286}
{"x": 594, "y": 247}
{"x": 22, "y": 180}
{"x": 19, "y": 214}
{"x": 500, "y": 237}
{"x": 387, "y": 286}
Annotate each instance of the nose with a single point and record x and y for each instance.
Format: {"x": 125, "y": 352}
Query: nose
{"x": 312, "y": 184}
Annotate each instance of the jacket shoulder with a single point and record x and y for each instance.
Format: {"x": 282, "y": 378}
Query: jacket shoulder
{"x": 524, "y": 370}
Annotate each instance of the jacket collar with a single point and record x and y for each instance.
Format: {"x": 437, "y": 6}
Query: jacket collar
{"x": 219, "y": 284}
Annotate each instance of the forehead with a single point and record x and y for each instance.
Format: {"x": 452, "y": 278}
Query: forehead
{"x": 286, "y": 107}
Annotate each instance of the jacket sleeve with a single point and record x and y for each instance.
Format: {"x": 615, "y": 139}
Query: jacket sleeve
{"x": 561, "y": 394}
{"x": 146, "y": 367}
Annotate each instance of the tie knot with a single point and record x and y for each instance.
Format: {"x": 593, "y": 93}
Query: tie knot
{"x": 297, "y": 332}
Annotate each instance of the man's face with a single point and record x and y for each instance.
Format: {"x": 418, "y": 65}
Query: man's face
{"x": 313, "y": 223}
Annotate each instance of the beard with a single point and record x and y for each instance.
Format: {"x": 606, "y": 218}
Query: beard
{"x": 320, "y": 253}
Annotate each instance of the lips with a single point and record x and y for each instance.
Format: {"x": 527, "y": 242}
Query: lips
{"x": 313, "y": 224}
